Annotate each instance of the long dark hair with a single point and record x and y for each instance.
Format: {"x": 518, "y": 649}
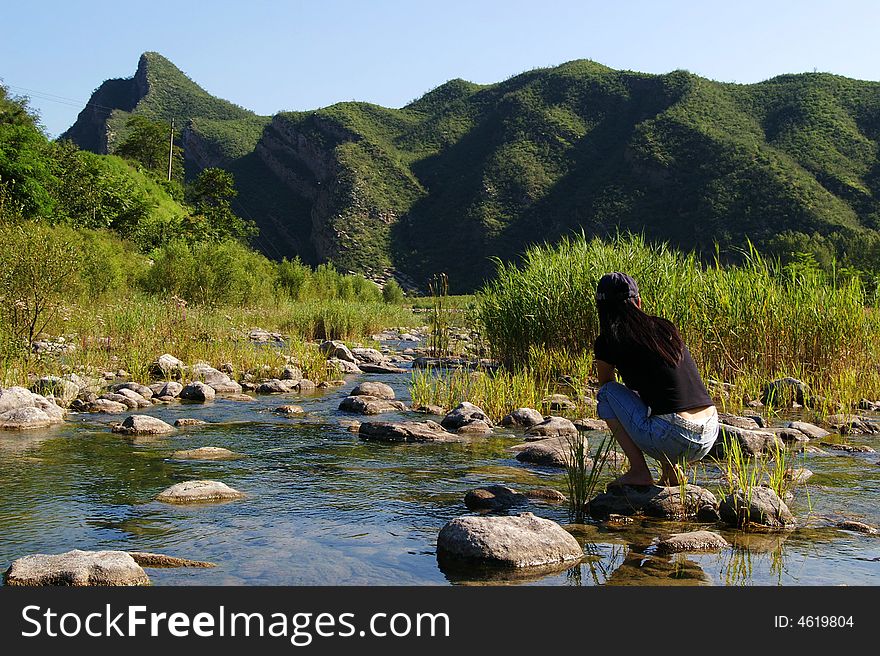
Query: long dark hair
{"x": 626, "y": 323}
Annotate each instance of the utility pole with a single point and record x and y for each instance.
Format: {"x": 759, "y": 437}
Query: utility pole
{"x": 170, "y": 149}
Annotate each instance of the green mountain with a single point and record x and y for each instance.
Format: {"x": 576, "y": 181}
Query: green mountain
{"x": 467, "y": 172}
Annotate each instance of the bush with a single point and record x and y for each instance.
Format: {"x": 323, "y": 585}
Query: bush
{"x": 211, "y": 273}
{"x": 392, "y": 293}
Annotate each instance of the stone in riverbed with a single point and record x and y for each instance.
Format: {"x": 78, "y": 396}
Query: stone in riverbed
{"x": 291, "y": 372}
{"x": 63, "y": 390}
{"x": 517, "y": 541}
{"x": 277, "y": 386}
{"x": 799, "y": 475}
{"x": 493, "y": 497}
{"x": 289, "y": 410}
{"x": 25, "y": 419}
{"x": 369, "y": 405}
{"x": 368, "y": 356}
{"x": 810, "y": 430}
{"x": 107, "y": 406}
{"x": 850, "y": 424}
{"x": 747, "y": 423}
{"x": 345, "y": 367}
{"x": 848, "y": 448}
{"x": 169, "y": 388}
{"x": 337, "y": 350}
{"x": 198, "y": 491}
{"x": 77, "y": 568}
{"x": 214, "y": 378}
{"x": 762, "y": 507}
{"x": 139, "y": 400}
{"x": 587, "y": 424}
{"x": 465, "y": 413}
{"x": 377, "y": 390}
{"x": 692, "y": 541}
{"x": 131, "y": 404}
{"x": 558, "y": 402}
{"x": 189, "y": 421}
{"x": 785, "y": 392}
{"x": 166, "y": 366}
{"x": 552, "y": 427}
{"x": 198, "y": 391}
{"x": 789, "y": 435}
{"x": 751, "y": 442}
{"x": 142, "y": 390}
{"x": 370, "y": 368}
{"x": 655, "y": 501}
{"x": 142, "y": 425}
{"x": 548, "y": 452}
{"x": 859, "y": 527}
{"x": 430, "y": 410}
{"x": 406, "y": 431}
{"x": 205, "y": 453}
{"x": 545, "y": 494}
{"x": 522, "y": 418}
{"x": 146, "y": 559}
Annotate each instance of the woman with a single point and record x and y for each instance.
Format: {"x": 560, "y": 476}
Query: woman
{"x": 664, "y": 409}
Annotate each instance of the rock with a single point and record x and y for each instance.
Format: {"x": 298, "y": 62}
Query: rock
{"x": 368, "y": 356}
{"x": 344, "y": 366}
{"x": 198, "y": 391}
{"x": 289, "y": 410}
{"x": 169, "y": 388}
{"x": 871, "y": 406}
{"x": 227, "y": 368}
{"x": 215, "y": 378}
{"x": 549, "y": 452}
{"x": 142, "y": 390}
{"x": 377, "y": 390}
{"x": 552, "y": 427}
{"x": 493, "y": 497}
{"x": 739, "y": 422}
{"x": 850, "y": 424}
{"x": 545, "y": 494}
{"x": 587, "y": 424}
{"x": 369, "y": 368}
{"x": 518, "y": 541}
{"x": 198, "y": 491}
{"x": 789, "y": 435}
{"x": 848, "y": 448}
{"x": 558, "y": 402}
{"x": 798, "y": 475}
{"x": 692, "y": 541}
{"x": 142, "y": 425}
{"x": 407, "y": 431}
{"x": 12, "y": 398}
{"x": 465, "y": 413}
{"x": 762, "y": 507}
{"x": 131, "y": 404}
{"x": 205, "y": 453}
{"x": 859, "y": 527}
{"x": 337, "y": 350}
{"x": 239, "y": 397}
{"x": 166, "y": 366}
{"x": 522, "y": 418}
{"x": 54, "y": 412}
{"x": 145, "y": 559}
{"x": 107, "y": 406}
{"x": 291, "y": 372}
{"x": 750, "y": 442}
{"x": 430, "y": 410}
{"x": 305, "y": 385}
{"x": 189, "y": 421}
{"x": 810, "y": 430}
{"x": 62, "y": 390}
{"x": 140, "y": 401}
{"x": 76, "y": 568}
{"x": 785, "y": 392}
{"x": 25, "y": 419}
{"x": 276, "y": 386}
{"x": 478, "y": 427}
{"x": 262, "y": 336}
{"x": 369, "y": 405}
{"x": 655, "y": 501}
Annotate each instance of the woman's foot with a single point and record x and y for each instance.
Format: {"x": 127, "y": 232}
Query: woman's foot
{"x": 632, "y": 478}
{"x": 672, "y": 476}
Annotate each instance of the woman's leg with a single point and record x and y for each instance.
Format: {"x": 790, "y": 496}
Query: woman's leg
{"x": 616, "y": 401}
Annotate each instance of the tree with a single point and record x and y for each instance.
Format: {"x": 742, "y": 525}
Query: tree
{"x": 147, "y": 142}
{"x": 211, "y": 196}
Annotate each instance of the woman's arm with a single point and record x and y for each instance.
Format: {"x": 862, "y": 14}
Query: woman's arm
{"x": 605, "y": 372}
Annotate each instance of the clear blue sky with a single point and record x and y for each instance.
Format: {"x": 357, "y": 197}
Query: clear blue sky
{"x": 271, "y": 55}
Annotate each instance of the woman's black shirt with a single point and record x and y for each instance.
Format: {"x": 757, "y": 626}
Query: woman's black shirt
{"x": 663, "y": 388}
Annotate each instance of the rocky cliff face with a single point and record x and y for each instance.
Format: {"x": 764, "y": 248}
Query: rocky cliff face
{"x": 91, "y": 130}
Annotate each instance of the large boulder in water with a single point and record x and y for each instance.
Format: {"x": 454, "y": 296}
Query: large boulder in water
{"x": 522, "y": 418}
{"x": 515, "y": 541}
{"x": 377, "y": 390}
{"x": 198, "y": 391}
{"x": 142, "y": 425}
{"x": 405, "y": 431}
{"x": 692, "y": 541}
{"x": 463, "y": 414}
{"x": 77, "y": 568}
{"x": 25, "y": 419}
{"x": 552, "y": 427}
{"x": 166, "y": 366}
{"x": 493, "y": 497}
{"x": 751, "y": 442}
{"x": 214, "y": 378}
{"x": 760, "y": 506}
{"x": 337, "y": 350}
{"x": 64, "y": 391}
{"x": 655, "y": 501}
{"x": 21, "y": 409}
{"x": 548, "y": 452}
{"x": 198, "y": 491}
{"x": 369, "y": 405}
{"x": 785, "y": 392}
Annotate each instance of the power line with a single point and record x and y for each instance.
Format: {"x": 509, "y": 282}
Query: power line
{"x": 61, "y": 100}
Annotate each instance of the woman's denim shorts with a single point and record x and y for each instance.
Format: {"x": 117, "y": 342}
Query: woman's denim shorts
{"x": 655, "y": 435}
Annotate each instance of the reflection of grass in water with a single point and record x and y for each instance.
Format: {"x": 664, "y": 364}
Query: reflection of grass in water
{"x": 600, "y": 565}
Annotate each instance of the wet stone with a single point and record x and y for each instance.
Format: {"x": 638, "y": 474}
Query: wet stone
{"x": 289, "y": 410}
{"x": 761, "y": 507}
{"x": 512, "y": 541}
{"x": 369, "y": 405}
{"x": 374, "y": 389}
{"x": 587, "y": 424}
{"x": 545, "y": 494}
{"x": 77, "y": 568}
{"x": 552, "y": 427}
{"x": 189, "y": 421}
{"x": 198, "y": 491}
{"x": 692, "y": 541}
{"x": 858, "y": 527}
{"x": 810, "y": 430}
{"x": 739, "y": 422}
{"x": 548, "y": 452}
{"x": 655, "y": 501}
{"x": 493, "y": 497}
{"x": 198, "y": 391}
{"x": 205, "y": 453}
{"x": 465, "y": 413}
{"x": 522, "y": 418}
{"x": 848, "y": 448}
{"x": 147, "y": 559}
{"x": 406, "y": 431}
{"x": 751, "y": 442}
{"x": 142, "y": 425}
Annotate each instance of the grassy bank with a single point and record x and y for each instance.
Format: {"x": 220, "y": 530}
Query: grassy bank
{"x": 745, "y": 325}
